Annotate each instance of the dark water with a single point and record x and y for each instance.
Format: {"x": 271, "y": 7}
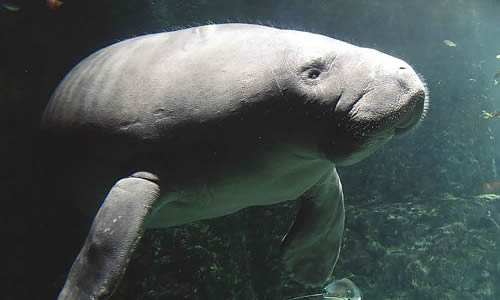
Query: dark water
{"x": 416, "y": 227}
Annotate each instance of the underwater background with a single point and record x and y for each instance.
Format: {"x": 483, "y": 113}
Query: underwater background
{"x": 422, "y": 213}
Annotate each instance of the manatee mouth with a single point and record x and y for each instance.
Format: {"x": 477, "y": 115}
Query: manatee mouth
{"x": 413, "y": 113}
{"x": 371, "y": 115}
{"x": 373, "y": 119}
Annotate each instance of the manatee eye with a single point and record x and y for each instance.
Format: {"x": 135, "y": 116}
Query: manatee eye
{"x": 313, "y": 73}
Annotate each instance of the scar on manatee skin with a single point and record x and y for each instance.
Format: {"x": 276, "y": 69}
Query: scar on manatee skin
{"x": 159, "y": 112}
{"x": 277, "y": 82}
{"x": 126, "y": 125}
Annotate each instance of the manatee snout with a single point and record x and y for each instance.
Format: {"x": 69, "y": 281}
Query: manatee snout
{"x": 412, "y": 104}
{"x": 393, "y": 97}
{"x": 382, "y": 96}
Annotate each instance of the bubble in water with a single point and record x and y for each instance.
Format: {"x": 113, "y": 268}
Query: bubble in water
{"x": 342, "y": 289}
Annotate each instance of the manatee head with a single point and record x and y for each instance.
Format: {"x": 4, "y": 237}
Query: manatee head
{"x": 363, "y": 97}
{"x": 381, "y": 96}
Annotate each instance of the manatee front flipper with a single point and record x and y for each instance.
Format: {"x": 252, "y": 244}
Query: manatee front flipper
{"x": 113, "y": 237}
{"x": 311, "y": 247}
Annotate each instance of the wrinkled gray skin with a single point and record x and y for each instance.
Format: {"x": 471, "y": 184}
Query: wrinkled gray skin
{"x": 215, "y": 119}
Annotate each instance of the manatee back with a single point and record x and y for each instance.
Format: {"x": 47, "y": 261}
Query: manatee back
{"x": 147, "y": 85}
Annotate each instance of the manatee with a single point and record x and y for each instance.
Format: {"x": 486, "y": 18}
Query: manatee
{"x": 170, "y": 128}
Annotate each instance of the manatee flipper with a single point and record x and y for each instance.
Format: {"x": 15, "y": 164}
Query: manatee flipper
{"x": 311, "y": 247}
{"x": 113, "y": 237}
